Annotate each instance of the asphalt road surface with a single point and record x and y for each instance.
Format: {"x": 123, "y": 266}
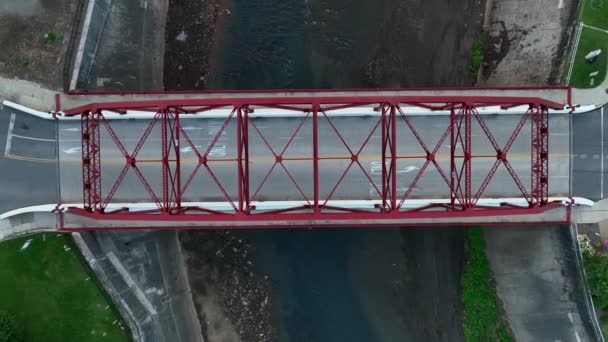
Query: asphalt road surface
{"x": 590, "y": 154}
{"x": 279, "y": 185}
{"x": 28, "y": 164}
{"x": 31, "y": 161}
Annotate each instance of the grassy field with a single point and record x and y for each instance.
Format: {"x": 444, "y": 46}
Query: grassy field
{"x": 51, "y": 293}
{"x": 595, "y": 13}
{"x": 590, "y": 40}
{"x": 482, "y": 317}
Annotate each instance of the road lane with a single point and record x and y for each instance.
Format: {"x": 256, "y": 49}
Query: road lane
{"x": 589, "y": 154}
{"x": 279, "y": 185}
{"x": 26, "y": 178}
{"x": 23, "y": 182}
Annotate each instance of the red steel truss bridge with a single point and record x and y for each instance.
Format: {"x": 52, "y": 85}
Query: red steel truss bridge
{"x": 277, "y": 161}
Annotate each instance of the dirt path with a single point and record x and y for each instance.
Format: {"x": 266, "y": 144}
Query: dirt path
{"x": 33, "y": 39}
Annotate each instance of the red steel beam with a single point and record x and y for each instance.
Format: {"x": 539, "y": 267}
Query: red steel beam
{"x": 91, "y": 164}
{"x": 420, "y": 101}
{"x": 540, "y": 156}
{"x": 458, "y": 185}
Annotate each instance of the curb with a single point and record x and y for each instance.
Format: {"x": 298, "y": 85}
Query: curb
{"x": 223, "y": 113}
{"x": 583, "y": 279}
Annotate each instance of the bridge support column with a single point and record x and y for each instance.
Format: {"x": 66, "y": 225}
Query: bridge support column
{"x": 170, "y": 154}
{"x": 460, "y": 165}
{"x": 389, "y": 157}
{"x": 242, "y": 141}
{"x": 540, "y": 156}
{"x": 91, "y": 164}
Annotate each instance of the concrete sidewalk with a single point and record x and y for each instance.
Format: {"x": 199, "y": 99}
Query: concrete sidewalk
{"x": 34, "y": 96}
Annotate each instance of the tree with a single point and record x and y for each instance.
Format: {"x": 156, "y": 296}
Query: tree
{"x": 9, "y": 331}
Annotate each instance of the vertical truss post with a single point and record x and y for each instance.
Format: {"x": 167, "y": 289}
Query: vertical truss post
{"x": 452, "y": 154}
{"x": 242, "y": 137}
{"x": 467, "y": 156}
{"x": 394, "y": 157}
{"x": 171, "y": 179}
{"x": 91, "y": 164}
{"x": 178, "y": 171}
{"x": 389, "y": 157}
{"x": 540, "y": 156}
{"x": 164, "y": 159}
{"x": 385, "y": 177}
{"x": 461, "y": 124}
{"x": 315, "y": 157}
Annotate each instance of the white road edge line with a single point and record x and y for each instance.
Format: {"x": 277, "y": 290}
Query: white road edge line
{"x": 602, "y": 149}
{"x": 83, "y": 38}
{"x": 223, "y": 113}
{"x": 139, "y": 294}
{"x": 274, "y": 205}
{"x": 32, "y": 138}
{"x": 9, "y": 136}
{"x": 578, "y": 338}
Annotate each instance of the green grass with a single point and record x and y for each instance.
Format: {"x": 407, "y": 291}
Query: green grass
{"x": 590, "y": 40}
{"x": 482, "y": 317}
{"x": 595, "y": 13}
{"x": 51, "y": 293}
{"x": 476, "y": 55}
{"x": 596, "y": 269}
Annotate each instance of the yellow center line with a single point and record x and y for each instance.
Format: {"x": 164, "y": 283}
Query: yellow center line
{"x": 272, "y": 159}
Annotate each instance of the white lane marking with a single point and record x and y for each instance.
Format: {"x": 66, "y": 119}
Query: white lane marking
{"x": 219, "y": 150}
{"x": 372, "y": 190}
{"x": 191, "y": 128}
{"x": 189, "y": 148}
{"x": 596, "y": 156}
{"x": 410, "y": 169}
{"x": 578, "y": 338}
{"x": 71, "y": 150}
{"x": 71, "y": 129}
{"x": 583, "y": 156}
{"x": 570, "y": 317}
{"x": 560, "y": 5}
{"x": 376, "y": 168}
{"x": 9, "y": 136}
{"x": 32, "y": 138}
{"x": 602, "y": 147}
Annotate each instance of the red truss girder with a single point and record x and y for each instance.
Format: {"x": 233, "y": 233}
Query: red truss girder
{"x": 463, "y": 200}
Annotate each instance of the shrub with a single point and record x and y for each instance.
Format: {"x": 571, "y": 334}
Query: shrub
{"x": 9, "y": 330}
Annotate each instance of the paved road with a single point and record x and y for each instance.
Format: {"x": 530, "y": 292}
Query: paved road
{"x": 152, "y": 286}
{"x": 590, "y": 154}
{"x": 24, "y": 182}
{"x": 537, "y": 280}
{"x": 279, "y": 186}
{"x": 33, "y": 167}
